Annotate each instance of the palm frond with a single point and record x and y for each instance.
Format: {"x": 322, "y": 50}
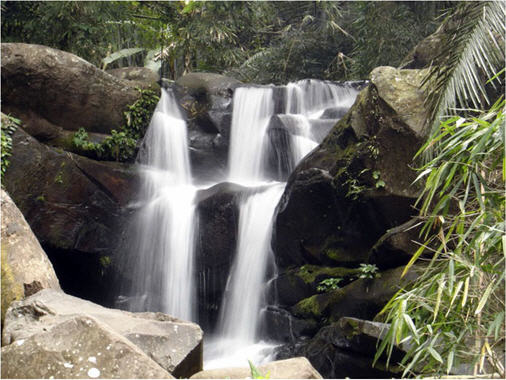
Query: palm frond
{"x": 473, "y": 47}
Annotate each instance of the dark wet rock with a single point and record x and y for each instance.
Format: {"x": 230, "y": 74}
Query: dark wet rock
{"x": 218, "y": 219}
{"x": 397, "y": 245}
{"x": 424, "y": 53}
{"x": 207, "y": 101}
{"x": 358, "y": 183}
{"x": 62, "y": 88}
{"x": 340, "y": 350}
{"x": 281, "y": 326}
{"x": 279, "y": 161}
{"x": 74, "y": 206}
{"x": 209, "y": 85}
{"x": 173, "y": 344}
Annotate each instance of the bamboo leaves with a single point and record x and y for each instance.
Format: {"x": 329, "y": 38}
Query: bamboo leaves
{"x": 454, "y": 313}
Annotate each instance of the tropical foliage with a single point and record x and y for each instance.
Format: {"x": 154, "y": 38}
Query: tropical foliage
{"x": 453, "y": 316}
{"x": 472, "y": 50}
{"x": 254, "y": 41}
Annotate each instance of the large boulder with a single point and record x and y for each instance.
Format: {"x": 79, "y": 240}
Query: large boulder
{"x": 358, "y": 183}
{"x": 74, "y": 206}
{"x": 175, "y": 345}
{"x": 207, "y": 101}
{"x": 25, "y": 266}
{"x": 62, "y": 89}
{"x": 294, "y": 368}
{"x": 78, "y": 347}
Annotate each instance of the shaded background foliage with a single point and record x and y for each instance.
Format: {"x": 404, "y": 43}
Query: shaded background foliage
{"x": 260, "y": 42}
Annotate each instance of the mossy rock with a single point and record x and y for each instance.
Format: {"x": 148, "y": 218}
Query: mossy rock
{"x": 317, "y": 307}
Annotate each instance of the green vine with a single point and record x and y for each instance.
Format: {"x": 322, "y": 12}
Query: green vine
{"x": 9, "y": 125}
{"x": 138, "y": 115}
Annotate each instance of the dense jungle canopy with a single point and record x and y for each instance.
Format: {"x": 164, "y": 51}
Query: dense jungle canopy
{"x": 259, "y": 42}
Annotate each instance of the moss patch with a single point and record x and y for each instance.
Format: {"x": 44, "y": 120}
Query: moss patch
{"x": 309, "y": 307}
{"x": 317, "y": 306}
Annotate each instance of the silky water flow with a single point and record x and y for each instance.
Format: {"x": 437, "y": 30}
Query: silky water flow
{"x": 163, "y": 239}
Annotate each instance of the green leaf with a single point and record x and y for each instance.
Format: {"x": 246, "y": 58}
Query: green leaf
{"x": 435, "y": 354}
{"x": 484, "y": 298}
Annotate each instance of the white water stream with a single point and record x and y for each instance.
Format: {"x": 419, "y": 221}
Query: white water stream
{"x": 163, "y": 274}
{"x": 164, "y": 277}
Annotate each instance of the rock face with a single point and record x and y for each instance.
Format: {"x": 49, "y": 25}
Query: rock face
{"x": 62, "y": 89}
{"x": 295, "y": 368}
{"x": 357, "y": 184}
{"x": 56, "y": 353}
{"x": 218, "y": 219}
{"x": 173, "y": 344}
{"x": 25, "y": 266}
{"x": 73, "y": 205}
{"x": 396, "y": 246}
{"x": 207, "y": 101}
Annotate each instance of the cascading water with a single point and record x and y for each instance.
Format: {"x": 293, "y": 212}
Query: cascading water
{"x": 237, "y": 338}
{"x": 162, "y": 245}
{"x": 163, "y": 242}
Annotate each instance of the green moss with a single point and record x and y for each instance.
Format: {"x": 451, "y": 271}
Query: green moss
{"x": 11, "y": 291}
{"x": 309, "y": 307}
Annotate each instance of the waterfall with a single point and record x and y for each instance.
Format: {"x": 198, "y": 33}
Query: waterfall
{"x": 163, "y": 239}
{"x": 253, "y": 114}
{"x": 267, "y": 140}
{"x": 253, "y": 108}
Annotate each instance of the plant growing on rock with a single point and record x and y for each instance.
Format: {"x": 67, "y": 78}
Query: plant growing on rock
{"x": 329, "y": 284}
{"x": 9, "y": 125}
{"x": 368, "y": 271}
